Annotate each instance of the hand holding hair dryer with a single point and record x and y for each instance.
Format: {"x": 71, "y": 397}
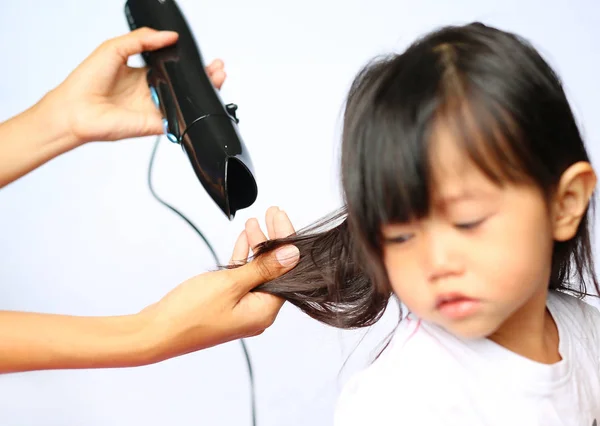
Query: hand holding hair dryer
{"x": 194, "y": 115}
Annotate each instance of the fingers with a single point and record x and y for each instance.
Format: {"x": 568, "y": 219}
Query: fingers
{"x": 240, "y": 250}
{"x": 254, "y": 233}
{"x": 218, "y": 78}
{"x": 278, "y": 226}
{"x": 270, "y": 220}
{"x": 216, "y": 73}
{"x": 271, "y": 266}
{"x": 140, "y": 40}
{"x": 264, "y": 268}
{"x": 282, "y": 225}
{"x": 259, "y": 309}
{"x": 216, "y": 65}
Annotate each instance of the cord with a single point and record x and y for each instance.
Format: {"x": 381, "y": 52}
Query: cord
{"x": 216, "y": 258}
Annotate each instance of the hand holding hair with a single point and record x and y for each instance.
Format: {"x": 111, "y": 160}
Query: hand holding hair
{"x": 204, "y": 311}
{"x": 218, "y": 307}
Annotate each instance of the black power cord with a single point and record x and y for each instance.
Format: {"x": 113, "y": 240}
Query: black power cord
{"x": 216, "y": 258}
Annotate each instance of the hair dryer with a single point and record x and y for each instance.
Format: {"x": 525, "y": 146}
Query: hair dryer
{"x": 194, "y": 115}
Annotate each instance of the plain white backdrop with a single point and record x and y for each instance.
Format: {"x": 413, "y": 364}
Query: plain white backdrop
{"x": 82, "y": 234}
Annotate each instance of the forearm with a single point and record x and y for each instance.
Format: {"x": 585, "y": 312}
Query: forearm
{"x": 31, "y": 341}
{"x": 31, "y": 139}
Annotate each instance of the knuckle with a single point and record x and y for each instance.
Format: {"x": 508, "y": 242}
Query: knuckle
{"x": 258, "y": 332}
{"x": 106, "y": 45}
{"x": 256, "y": 329}
{"x": 264, "y": 269}
{"x": 268, "y": 320}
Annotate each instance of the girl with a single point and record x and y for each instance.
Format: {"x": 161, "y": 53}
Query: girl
{"x": 467, "y": 187}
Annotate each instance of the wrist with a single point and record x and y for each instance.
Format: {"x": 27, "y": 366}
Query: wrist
{"x": 137, "y": 342}
{"x": 50, "y": 114}
{"x": 34, "y": 137}
{"x": 153, "y": 338}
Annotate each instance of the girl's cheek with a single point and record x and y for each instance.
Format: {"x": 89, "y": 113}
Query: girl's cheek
{"x": 405, "y": 277}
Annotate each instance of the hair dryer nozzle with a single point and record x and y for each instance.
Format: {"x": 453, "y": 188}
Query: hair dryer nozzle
{"x": 221, "y": 163}
{"x": 194, "y": 114}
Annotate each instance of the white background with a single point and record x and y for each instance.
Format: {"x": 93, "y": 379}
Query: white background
{"x": 76, "y": 238}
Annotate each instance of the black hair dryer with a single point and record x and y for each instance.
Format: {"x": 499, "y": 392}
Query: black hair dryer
{"x": 194, "y": 115}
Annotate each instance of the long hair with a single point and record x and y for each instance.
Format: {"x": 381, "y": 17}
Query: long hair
{"x": 508, "y": 111}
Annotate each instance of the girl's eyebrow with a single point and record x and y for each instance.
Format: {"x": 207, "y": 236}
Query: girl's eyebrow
{"x": 458, "y": 196}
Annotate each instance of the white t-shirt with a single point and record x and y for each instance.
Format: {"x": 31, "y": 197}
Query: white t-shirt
{"x": 428, "y": 377}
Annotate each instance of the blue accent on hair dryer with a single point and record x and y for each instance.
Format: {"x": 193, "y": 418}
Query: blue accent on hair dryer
{"x": 194, "y": 114}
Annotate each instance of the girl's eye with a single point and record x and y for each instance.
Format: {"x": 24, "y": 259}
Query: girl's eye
{"x": 398, "y": 239}
{"x": 469, "y": 225}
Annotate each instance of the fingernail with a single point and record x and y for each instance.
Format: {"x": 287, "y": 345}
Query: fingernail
{"x": 288, "y": 255}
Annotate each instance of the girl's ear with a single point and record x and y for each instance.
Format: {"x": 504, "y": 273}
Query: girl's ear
{"x": 571, "y": 199}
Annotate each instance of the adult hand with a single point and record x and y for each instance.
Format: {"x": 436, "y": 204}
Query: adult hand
{"x": 104, "y": 99}
{"x": 218, "y": 307}
{"x": 204, "y": 311}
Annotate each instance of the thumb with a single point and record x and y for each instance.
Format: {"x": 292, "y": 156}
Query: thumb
{"x": 126, "y": 124}
{"x": 265, "y": 268}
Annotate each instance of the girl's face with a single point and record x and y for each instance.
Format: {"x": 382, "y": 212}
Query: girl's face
{"x": 482, "y": 257}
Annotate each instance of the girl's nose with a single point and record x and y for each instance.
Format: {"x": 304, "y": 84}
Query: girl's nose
{"x": 442, "y": 259}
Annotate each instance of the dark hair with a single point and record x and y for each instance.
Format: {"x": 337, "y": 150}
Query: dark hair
{"x": 506, "y": 106}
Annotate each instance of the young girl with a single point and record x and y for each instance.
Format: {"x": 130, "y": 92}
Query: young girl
{"x": 467, "y": 186}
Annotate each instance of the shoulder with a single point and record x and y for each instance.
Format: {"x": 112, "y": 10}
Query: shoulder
{"x": 573, "y": 310}
{"x": 581, "y": 319}
{"x": 401, "y": 382}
